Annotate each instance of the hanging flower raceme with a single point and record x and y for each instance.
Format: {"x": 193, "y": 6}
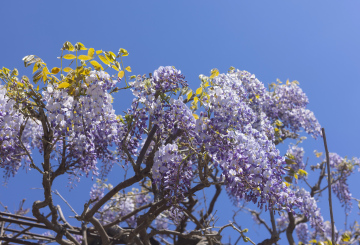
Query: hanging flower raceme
{"x": 342, "y": 169}
{"x": 17, "y": 135}
{"x": 10, "y": 122}
{"x": 302, "y": 232}
{"x": 88, "y": 121}
{"x": 288, "y": 103}
{"x": 172, "y": 172}
{"x": 310, "y": 209}
{"x": 238, "y": 139}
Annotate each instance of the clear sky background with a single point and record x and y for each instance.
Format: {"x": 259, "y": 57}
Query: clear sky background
{"x": 314, "y": 42}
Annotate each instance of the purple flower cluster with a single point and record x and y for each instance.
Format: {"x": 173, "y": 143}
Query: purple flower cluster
{"x": 310, "y": 209}
{"x": 343, "y": 168}
{"x": 97, "y": 192}
{"x": 12, "y": 149}
{"x": 296, "y": 154}
{"x": 238, "y": 140}
{"x": 282, "y": 222}
{"x": 162, "y": 222}
{"x": 326, "y": 233}
{"x": 168, "y": 78}
{"x": 288, "y": 103}
{"x": 88, "y": 121}
{"x": 121, "y": 204}
{"x": 302, "y": 232}
{"x": 172, "y": 173}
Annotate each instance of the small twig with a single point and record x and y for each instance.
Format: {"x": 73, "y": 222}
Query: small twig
{"x": 260, "y": 219}
{"x": 235, "y": 228}
{"x": 57, "y": 193}
{"x": 307, "y": 183}
{"x": 329, "y": 184}
{"x": 146, "y": 146}
{"x": 122, "y": 218}
{"x": 198, "y": 224}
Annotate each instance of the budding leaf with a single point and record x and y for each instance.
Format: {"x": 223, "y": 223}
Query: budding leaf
{"x": 128, "y": 69}
{"x": 123, "y": 52}
{"x": 80, "y": 46}
{"x": 121, "y": 74}
{"x": 302, "y": 172}
{"x": 196, "y": 116}
{"x": 199, "y": 90}
{"x": 318, "y": 154}
{"x": 68, "y": 46}
{"x": 214, "y": 73}
{"x": 110, "y": 56}
{"x": 345, "y": 237}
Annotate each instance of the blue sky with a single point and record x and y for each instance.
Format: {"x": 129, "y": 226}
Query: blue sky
{"x": 314, "y": 42}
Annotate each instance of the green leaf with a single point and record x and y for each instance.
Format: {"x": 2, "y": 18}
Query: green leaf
{"x": 91, "y": 52}
{"x": 64, "y": 85}
{"x": 84, "y": 57}
{"x": 36, "y": 67}
{"x": 69, "y": 56}
{"x": 288, "y": 179}
{"x": 96, "y": 65}
{"x": 196, "y": 99}
{"x": 67, "y": 69}
{"x": 104, "y": 60}
{"x": 302, "y": 172}
{"x": 110, "y": 56}
{"x": 189, "y": 95}
{"x": 121, "y": 74}
{"x": 55, "y": 70}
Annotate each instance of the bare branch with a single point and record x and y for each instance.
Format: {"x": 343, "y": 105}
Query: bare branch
{"x": 329, "y": 184}
{"x": 57, "y": 193}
